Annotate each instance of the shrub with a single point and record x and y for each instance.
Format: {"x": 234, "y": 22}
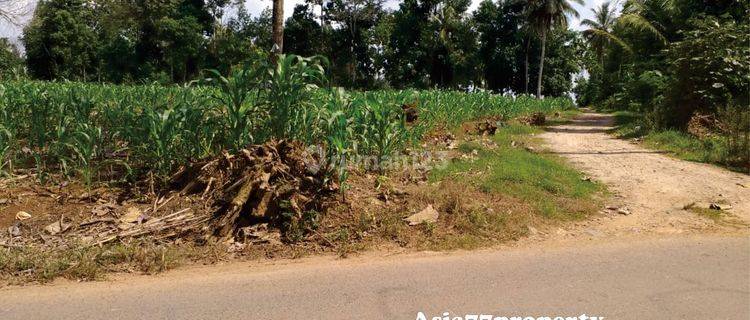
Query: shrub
{"x": 709, "y": 68}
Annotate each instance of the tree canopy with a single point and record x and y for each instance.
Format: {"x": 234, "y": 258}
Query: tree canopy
{"x": 420, "y": 44}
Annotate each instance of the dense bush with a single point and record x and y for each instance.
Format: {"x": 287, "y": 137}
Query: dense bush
{"x": 707, "y": 69}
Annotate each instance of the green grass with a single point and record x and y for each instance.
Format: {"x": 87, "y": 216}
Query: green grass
{"x": 719, "y": 217}
{"x": 688, "y": 147}
{"x": 629, "y": 125}
{"x": 542, "y": 180}
{"x": 564, "y": 117}
{"x": 680, "y": 144}
{"x": 711, "y": 214}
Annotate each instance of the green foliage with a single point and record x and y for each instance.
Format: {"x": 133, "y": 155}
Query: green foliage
{"x": 117, "y": 41}
{"x": 500, "y": 47}
{"x": 302, "y": 34}
{"x": 730, "y": 147}
{"x": 709, "y": 68}
{"x": 508, "y": 49}
{"x": 685, "y": 146}
{"x": 289, "y": 89}
{"x": 235, "y": 97}
{"x": 11, "y": 64}
{"x": 680, "y": 58}
{"x": 431, "y": 44}
{"x": 60, "y": 41}
{"x": 736, "y": 121}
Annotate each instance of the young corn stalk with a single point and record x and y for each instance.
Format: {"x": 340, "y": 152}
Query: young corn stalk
{"x": 288, "y": 92}
{"x": 237, "y": 105}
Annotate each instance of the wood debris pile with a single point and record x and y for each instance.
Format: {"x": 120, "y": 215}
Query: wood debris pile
{"x": 225, "y": 197}
{"x": 273, "y": 182}
{"x": 534, "y": 119}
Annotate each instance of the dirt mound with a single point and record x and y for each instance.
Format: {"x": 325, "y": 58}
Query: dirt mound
{"x": 534, "y": 119}
{"x": 485, "y": 127}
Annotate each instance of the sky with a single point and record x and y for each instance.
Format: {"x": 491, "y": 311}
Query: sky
{"x": 256, "y": 6}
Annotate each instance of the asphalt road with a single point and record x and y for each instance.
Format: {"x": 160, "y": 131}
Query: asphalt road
{"x": 676, "y": 278}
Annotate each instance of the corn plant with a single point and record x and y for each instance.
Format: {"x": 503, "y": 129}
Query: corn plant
{"x": 289, "y": 88}
{"x": 163, "y": 129}
{"x": 234, "y": 94}
{"x": 201, "y": 126}
{"x": 79, "y": 128}
{"x": 84, "y": 144}
{"x": 338, "y": 134}
{"x": 381, "y": 129}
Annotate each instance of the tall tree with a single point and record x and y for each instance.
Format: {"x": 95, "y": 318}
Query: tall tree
{"x": 278, "y": 28}
{"x": 501, "y": 40}
{"x": 353, "y": 37}
{"x": 432, "y": 44}
{"x": 302, "y": 34}
{"x": 60, "y": 41}
{"x": 545, "y": 15}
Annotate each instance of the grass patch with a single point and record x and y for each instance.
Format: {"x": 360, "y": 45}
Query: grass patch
{"x": 719, "y": 217}
{"x": 562, "y": 117}
{"x": 714, "y": 149}
{"x": 711, "y": 214}
{"x": 29, "y": 264}
{"x": 629, "y": 125}
{"x": 490, "y": 193}
{"x": 469, "y": 219}
{"x": 552, "y": 188}
{"x": 688, "y": 147}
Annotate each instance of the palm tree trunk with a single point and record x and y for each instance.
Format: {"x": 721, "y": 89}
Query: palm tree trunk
{"x": 277, "y": 28}
{"x": 541, "y": 65}
{"x": 526, "y": 66}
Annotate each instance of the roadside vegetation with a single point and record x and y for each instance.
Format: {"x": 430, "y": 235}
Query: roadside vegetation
{"x": 495, "y": 189}
{"x": 553, "y": 189}
{"x": 106, "y": 133}
{"x": 728, "y": 150}
{"x": 678, "y": 72}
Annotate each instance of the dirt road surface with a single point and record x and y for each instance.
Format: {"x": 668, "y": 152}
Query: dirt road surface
{"x": 653, "y": 186}
{"x": 687, "y": 277}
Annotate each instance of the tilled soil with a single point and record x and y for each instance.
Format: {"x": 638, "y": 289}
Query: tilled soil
{"x": 654, "y": 188}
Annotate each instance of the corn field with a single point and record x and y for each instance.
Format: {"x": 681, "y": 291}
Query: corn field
{"x": 108, "y": 133}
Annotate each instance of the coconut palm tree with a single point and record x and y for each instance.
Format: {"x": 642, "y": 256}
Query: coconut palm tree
{"x": 644, "y": 16}
{"x": 599, "y": 32}
{"x": 544, "y": 15}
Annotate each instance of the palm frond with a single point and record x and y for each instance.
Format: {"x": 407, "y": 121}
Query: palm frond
{"x": 601, "y": 34}
{"x": 591, "y": 24}
{"x": 638, "y": 22}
